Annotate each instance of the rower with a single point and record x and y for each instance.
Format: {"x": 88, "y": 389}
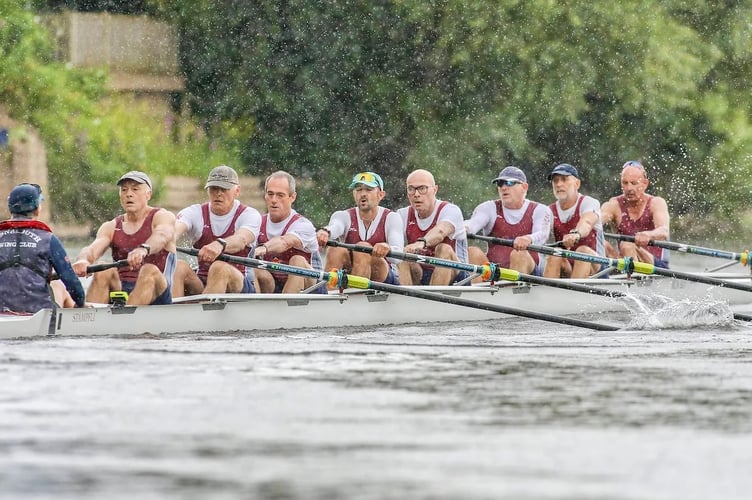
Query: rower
{"x": 638, "y": 214}
{"x": 221, "y": 225}
{"x": 285, "y": 237}
{"x": 434, "y": 228}
{"x": 511, "y": 216}
{"x": 576, "y": 224}
{"x": 145, "y": 236}
{"x": 367, "y": 225}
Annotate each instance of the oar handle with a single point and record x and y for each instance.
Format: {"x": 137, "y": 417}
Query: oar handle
{"x": 420, "y": 259}
{"x": 488, "y": 272}
{"x": 99, "y": 267}
{"x": 620, "y": 264}
{"x": 741, "y": 257}
{"x": 107, "y": 265}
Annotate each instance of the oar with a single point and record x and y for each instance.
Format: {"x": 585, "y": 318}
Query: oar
{"x": 626, "y": 265}
{"x": 623, "y": 265}
{"x": 99, "y": 267}
{"x": 339, "y": 279}
{"x": 107, "y": 265}
{"x": 489, "y": 272}
{"x": 503, "y": 273}
{"x": 742, "y": 257}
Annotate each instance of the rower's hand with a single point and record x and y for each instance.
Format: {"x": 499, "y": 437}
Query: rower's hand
{"x": 322, "y": 236}
{"x": 380, "y": 250}
{"x": 641, "y": 239}
{"x": 79, "y": 267}
{"x": 136, "y": 257}
{"x": 210, "y": 252}
{"x": 570, "y": 240}
{"x": 416, "y": 247}
{"x": 260, "y": 252}
{"x": 522, "y": 242}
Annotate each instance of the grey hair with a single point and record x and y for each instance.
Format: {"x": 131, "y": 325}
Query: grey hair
{"x": 281, "y": 174}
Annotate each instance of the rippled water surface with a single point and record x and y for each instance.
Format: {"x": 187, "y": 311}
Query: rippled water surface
{"x": 513, "y": 409}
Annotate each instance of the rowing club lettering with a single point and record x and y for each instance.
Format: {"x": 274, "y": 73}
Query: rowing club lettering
{"x": 84, "y": 317}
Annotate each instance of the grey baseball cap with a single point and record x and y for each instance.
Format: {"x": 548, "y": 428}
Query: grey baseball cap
{"x": 136, "y": 176}
{"x": 222, "y": 177}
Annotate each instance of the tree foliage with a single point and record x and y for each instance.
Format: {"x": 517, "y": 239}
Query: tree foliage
{"x": 462, "y": 88}
{"x": 326, "y": 89}
{"x": 90, "y": 137}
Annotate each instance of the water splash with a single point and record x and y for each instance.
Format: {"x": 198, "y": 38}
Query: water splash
{"x": 660, "y": 312}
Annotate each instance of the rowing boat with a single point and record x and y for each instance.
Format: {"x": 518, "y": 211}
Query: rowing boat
{"x": 225, "y": 313}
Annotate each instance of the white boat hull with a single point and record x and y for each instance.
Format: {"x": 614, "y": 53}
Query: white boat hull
{"x": 353, "y": 308}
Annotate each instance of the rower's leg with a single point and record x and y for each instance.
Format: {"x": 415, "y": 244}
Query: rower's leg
{"x": 264, "y": 281}
{"x": 185, "y": 281}
{"x": 296, "y": 284}
{"x": 102, "y": 283}
{"x": 151, "y": 283}
{"x": 444, "y": 275}
{"x": 223, "y": 278}
{"x": 477, "y": 257}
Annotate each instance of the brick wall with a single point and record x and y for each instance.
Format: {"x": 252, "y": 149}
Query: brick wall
{"x": 22, "y": 159}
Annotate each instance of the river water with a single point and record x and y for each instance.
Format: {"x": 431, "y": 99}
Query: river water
{"x": 513, "y": 408}
{"x": 507, "y": 409}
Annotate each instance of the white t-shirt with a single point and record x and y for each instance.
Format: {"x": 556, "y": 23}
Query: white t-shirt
{"x": 484, "y": 217}
{"x": 304, "y": 230}
{"x": 452, "y": 214}
{"x": 589, "y": 204}
{"x": 193, "y": 219}
{"x": 339, "y": 224}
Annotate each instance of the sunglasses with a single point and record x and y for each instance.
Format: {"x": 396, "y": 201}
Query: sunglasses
{"x": 507, "y": 183}
{"x": 635, "y": 164}
{"x": 366, "y": 177}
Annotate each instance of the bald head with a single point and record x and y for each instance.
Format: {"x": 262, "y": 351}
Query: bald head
{"x": 421, "y": 177}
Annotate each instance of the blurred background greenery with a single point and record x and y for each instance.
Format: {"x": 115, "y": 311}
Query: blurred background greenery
{"x": 327, "y": 89}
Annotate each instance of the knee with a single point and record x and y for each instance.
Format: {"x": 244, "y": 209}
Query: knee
{"x": 476, "y": 254}
{"x": 444, "y": 251}
{"x": 299, "y": 261}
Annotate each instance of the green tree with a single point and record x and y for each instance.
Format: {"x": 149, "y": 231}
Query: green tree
{"x": 463, "y": 88}
{"x": 91, "y": 137}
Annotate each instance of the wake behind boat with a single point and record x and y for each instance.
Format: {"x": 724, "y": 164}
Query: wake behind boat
{"x": 224, "y": 313}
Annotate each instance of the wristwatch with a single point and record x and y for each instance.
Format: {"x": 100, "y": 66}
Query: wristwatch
{"x": 222, "y": 242}
{"x": 146, "y": 247}
{"x": 425, "y": 243}
{"x": 574, "y": 231}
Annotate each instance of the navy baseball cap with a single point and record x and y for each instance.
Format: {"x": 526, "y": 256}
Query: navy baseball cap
{"x": 511, "y": 174}
{"x": 564, "y": 169}
{"x": 24, "y": 198}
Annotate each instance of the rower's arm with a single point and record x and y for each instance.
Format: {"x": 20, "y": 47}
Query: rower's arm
{"x": 162, "y": 232}
{"x": 280, "y": 244}
{"x": 661, "y": 220}
{"x": 587, "y": 223}
{"x": 437, "y": 234}
{"x": 239, "y": 240}
{"x": 89, "y": 254}
{"x": 610, "y": 213}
